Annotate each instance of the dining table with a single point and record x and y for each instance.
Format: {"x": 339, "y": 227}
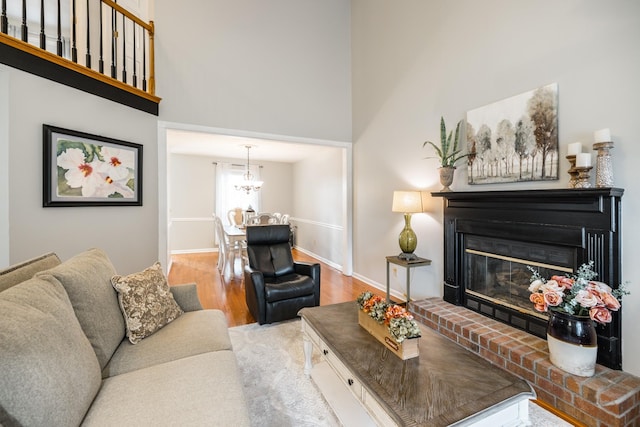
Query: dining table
{"x": 235, "y": 236}
{"x": 234, "y": 233}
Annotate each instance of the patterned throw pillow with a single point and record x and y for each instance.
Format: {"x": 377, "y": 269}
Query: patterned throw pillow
{"x": 145, "y": 301}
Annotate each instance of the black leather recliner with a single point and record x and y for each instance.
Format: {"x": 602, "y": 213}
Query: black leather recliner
{"x": 276, "y": 287}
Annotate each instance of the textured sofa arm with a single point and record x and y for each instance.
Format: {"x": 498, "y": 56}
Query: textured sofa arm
{"x": 186, "y": 296}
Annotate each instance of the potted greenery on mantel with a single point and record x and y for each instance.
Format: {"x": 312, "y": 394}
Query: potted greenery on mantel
{"x": 448, "y": 153}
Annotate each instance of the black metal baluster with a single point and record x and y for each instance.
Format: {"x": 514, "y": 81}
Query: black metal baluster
{"x": 43, "y": 37}
{"x": 114, "y": 40}
{"x": 144, "y": 61}
{"x": 135, "y": 77}
{"x": 25, "y": 30}
{"x": 59, "y": 41}
{"x": 101, "y": 60}
{"x": 88, "y": 55}
{"x": 124, "y": 49}
{"x": 74, "y": 51}
{"x": 4, "y": 21}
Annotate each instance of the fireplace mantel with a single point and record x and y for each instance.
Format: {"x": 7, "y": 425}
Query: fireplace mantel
{"x": 585, "y": 220}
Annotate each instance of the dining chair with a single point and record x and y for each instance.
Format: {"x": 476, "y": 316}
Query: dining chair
{"x": 235, "y": 216}
{"x": 266, "y": 218}
{"x": 226, "y": 250}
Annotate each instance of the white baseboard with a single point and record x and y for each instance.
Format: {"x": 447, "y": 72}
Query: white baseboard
{"x": 319, "y": 258}
{"x": 193, "y": 251}
{"x": 382, "y": 287}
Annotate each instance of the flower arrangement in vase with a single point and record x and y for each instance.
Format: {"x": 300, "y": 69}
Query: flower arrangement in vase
{"x": 399, "y": 320}
{"x": 390, "y": 324}
{"x": 574, "y": 303}
{"x": 576, "y": 294}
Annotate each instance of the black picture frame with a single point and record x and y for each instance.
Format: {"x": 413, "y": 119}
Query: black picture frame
{"x": 81, "y": 169}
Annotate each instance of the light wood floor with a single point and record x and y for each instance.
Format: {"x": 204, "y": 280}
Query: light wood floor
{"x": 228, "y": 294}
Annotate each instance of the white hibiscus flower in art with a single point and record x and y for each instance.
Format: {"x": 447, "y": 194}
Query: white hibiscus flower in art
{"x": 80, "y": 174}
{"x": 109, "y": 187}
{"x": 117, "y": 163}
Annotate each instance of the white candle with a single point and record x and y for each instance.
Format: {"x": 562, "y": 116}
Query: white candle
{"x": 574, "y": 148}
{"x": 602, "y": 135}
{"x": 583, "y": 160}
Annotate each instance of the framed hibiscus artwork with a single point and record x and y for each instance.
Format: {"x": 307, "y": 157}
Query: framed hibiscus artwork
{"x": 90, "y": 170}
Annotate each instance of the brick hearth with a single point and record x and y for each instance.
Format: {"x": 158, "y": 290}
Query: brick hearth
{"x": 609, "y": 398}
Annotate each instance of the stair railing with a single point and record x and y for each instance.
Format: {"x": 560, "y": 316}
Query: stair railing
{"x": 98, "y": 28}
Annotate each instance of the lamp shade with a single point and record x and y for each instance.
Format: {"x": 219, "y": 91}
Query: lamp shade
{"x": 407, "y": 201}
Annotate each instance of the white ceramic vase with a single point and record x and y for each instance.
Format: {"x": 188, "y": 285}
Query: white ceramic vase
{"x": 573, "y": 343}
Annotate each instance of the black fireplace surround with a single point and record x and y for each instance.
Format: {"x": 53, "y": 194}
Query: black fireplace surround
{"x": 581, "y": 224}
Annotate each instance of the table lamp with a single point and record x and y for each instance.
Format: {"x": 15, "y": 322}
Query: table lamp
{"x": 407, "y": 202}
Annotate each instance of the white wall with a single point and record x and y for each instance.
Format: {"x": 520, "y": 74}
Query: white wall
{"x": 128, "y": 234}
{"x": 277, "y": 66}
{"x": 192, "y": 181}
{"x": 277, "y": 190}
{"x": 319, "y": 189}
{"x": 414, "y": 61}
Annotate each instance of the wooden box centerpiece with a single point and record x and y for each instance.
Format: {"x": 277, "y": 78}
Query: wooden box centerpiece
{"x": 390, "y": 324}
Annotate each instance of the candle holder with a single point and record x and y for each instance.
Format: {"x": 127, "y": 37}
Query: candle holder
{"x": 583, "y": 177}
{"x": 604, "y": 166}
{"x": 573, "y": 172}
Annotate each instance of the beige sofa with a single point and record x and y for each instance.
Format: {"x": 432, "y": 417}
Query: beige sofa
{"x": 65, "y": 359}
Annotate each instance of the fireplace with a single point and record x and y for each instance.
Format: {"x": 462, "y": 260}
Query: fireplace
{"x": 493, "y": 238}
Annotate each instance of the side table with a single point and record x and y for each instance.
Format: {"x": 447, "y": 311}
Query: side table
{"x": 408, "y": 265}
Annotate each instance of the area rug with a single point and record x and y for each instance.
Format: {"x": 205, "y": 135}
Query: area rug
{"x": 279, "y": 394}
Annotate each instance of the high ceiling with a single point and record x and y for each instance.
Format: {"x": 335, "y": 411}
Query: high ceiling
{"x": 234, "y": 147}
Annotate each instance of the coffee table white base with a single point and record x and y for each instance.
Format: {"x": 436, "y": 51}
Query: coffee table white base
{"x": 355, "y": 406}
{"x": 344, "y": 404}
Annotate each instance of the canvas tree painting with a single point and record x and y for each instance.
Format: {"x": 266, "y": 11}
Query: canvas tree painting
{"x": 515, "y": 139}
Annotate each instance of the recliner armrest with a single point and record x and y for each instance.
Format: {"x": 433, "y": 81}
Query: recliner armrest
{"x": 254, "y": 293}
{"x": 186, "y": 296}
{"x": 313, "y": 271}
{"x": 308, "y": 269}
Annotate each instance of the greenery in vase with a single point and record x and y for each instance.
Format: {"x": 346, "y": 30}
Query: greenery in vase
{"x": 448, "y": 151}
{"x": 400, "y": 321}
{"x": 576, "y": 294}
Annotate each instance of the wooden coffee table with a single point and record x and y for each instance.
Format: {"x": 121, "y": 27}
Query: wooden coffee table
{"x": 368, "y": 385}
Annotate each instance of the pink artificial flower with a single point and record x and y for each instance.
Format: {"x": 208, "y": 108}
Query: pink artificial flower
{"x": 552, "y": 299}
{"x": 552, "y": 286}
{"x": 600, "y": 314}
{"x": 603, "y": 287}
{"x": 610, "y": 301}
{"x": 587, "y": 299}
{"x": 563, "y": 281}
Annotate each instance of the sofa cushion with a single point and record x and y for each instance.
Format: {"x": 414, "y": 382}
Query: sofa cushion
{"x": 192, "y": 333}
{"x": 87, "y": 279}
{"x": 49, "y": 374}
{"x": 17, "y": 273}
{"x": 146, "y": 302}
{"x": 186, "y": 296}
{"x": 194, "y": 391}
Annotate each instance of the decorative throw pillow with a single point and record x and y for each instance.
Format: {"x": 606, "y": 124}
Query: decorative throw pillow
{"x": 146, "y": 302}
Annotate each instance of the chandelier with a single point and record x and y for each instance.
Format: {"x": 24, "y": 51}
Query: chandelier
{"x": 248, "y": 183}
